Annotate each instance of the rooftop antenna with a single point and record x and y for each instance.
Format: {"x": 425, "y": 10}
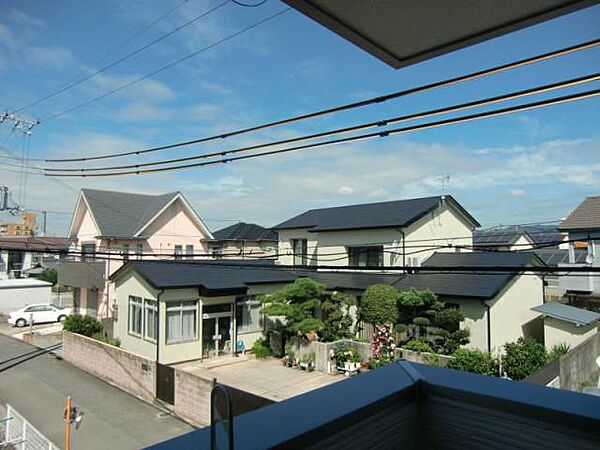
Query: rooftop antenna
{"x": 444, "y": 182}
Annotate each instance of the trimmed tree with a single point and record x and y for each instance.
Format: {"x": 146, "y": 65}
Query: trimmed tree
{"x": 523, "y": 358}
{"x": 474, "y": 361}
{"x": 378, "y": 304}
{"x": 297, "y": 303}
{"x": 337, "y": 320}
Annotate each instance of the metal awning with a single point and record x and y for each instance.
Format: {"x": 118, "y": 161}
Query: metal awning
{"x": 404, "y": 32}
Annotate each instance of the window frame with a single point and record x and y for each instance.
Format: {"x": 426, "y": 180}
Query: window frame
{"x": 87, "y": 256}
{"x": 303, "y": 255}
{"x": 178, "y": 252}
{"x": 125, "y": 252}
{"x": 180, "y": 307}
{"x": 355, "y": 252}
{"x": 134, "y": 302}
{"x": 189, "y": 254}
{"x": 139, "y": 250}
{"x": 252, "y": 302}
{"x": 147, "y": 308}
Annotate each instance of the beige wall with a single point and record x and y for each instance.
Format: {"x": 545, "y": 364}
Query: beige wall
{"x": 561, "y": 332}
{"x": 438, "y": 228}
{"x": 510, "y": 313}
{"x": 240, "y": 249}
{"x": 512, "y": 310}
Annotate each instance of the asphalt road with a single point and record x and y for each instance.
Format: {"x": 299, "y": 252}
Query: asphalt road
{"x": 37, "y": 386}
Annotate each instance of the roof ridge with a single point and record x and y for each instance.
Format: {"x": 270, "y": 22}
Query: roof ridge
{"x": 378, "y": 203}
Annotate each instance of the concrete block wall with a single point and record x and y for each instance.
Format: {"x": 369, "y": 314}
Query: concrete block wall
{"x": 423, "y": 357}
{"x": 192, "y": 397}
{"x": 130, "y": 372}
{"x": 579, "y": 365}
{"x": 322, "y": 350}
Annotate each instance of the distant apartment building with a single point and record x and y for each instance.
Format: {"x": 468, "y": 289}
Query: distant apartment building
{"x": 25, "y": 228}
{"x": 110, "y": 228}
{"x": 244, "y": 241}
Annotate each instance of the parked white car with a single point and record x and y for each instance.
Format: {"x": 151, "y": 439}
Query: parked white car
{"x": 38, "y": 313}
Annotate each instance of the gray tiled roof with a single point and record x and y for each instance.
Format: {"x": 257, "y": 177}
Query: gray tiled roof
{"x": 121, "y": 214}
{"x": 245, "y": 232}
{"x": 585, "y": 216}
{"x": 211, "y": 277}
{"x": 568, "y": 313}
{"x": 484, "y": 285}
{"x": 399, "y": 213}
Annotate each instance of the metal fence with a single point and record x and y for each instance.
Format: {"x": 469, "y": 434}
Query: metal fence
{"x": 17, "y": 433}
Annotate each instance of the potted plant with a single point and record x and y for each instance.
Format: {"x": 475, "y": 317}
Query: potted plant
{"x": 308, "y": 362}
{"x": 346, "y": 357}
{"x": 352, "y": 363}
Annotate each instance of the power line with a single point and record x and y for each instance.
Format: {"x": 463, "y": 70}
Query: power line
{"x": 337, "y": 131}
{"x": 373, "y": 100}
{"x": 168, "y": 66}
{"x": 124, "y": 58}
{"x": 425, "y": 126}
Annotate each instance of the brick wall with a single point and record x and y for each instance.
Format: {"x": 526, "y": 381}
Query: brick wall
{"x": 128, "y": 371}
{"x": 192, "y": 397}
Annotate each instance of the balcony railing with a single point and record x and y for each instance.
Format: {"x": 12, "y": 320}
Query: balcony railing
{"x": 578, "y": 281}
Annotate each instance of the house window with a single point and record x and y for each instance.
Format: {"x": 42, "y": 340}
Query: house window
{"x": 365, "y": 256}
{"x": 189, "y": 251}
{"x": 125, "y": 252}
{"x": 248, "y": 316}
{"x": 139, "y": 250}
{"x": 135, "y": 315}
{"x": 88, "y": 252}
{"x": 178, "y": 252}
{"x": 217, "y": 251}
{"x": 182, "y": 318}
{"x": 300, "y": 252}
{"x": 150, "y": 319}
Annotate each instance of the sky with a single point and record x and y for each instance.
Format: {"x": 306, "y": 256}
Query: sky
{"x": 534, "y": 166}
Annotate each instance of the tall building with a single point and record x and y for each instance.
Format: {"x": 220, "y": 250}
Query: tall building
{"x": 25, "y": 228}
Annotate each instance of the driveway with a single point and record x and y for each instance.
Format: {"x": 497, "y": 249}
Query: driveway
{"x": 267, "y": 378}
{"x": 37, "y": 385}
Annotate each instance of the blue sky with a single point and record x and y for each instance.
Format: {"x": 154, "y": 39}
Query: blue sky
{"x": 529, "y": 167}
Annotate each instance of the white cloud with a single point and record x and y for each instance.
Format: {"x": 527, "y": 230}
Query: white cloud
{"x": 149, "y": 90}
{"x": 516, "y": 193}
{"x": 53, "y": 57}
{"x": 142, "y": 112}
{"x": 345, "y": 190}
{"x": 20, "y": 18}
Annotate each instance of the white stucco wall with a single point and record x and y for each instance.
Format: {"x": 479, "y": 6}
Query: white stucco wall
{"x": 511, "y": 311}
{"x": 15, "y": 294}
{"x": 439, "y": 228}
{"x": 558, "y": 331}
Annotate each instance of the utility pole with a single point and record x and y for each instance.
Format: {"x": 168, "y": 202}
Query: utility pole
{"x": 5, "y": 199}
{"x": 25, "y": 125}
{"x": 68, "y": 424}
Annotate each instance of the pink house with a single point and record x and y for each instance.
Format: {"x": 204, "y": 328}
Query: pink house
{"x": 109, "y": 228}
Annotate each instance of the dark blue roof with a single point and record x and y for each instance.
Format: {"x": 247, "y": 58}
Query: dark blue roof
{"x": 398, "y": 213}
{"x": 245, "y": 232}
{"x": 467, "y": 284}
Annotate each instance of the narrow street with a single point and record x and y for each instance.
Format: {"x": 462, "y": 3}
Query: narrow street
{"x": 37, "y": 384}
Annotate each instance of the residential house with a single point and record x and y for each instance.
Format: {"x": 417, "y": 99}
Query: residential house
{"x": 502, "y": 239}
{"x": 554, "y": 257}
{"x": 22, "y": 255}
{"x": 582, "y": 226}
{"x": 174, "y": 311}
{"x": 497, "y": 305}
{"x": 565, "y": 324}
{"x": 244, "y": 240}
{"x": 394, "y": 233}
{"x": 112, "y": 227}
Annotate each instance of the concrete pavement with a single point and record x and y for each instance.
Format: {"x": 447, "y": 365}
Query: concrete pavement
{"x": 37, "y": 385}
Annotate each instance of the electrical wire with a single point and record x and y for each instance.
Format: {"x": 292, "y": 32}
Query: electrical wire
{"x": 425, "y": 126}
{"x": 124, "y": 58}
{"x": 348, "y": 106}
{"x": 354, "y": 128}
{"x": 168, "y": 66}
{"x": 249, "y": 5}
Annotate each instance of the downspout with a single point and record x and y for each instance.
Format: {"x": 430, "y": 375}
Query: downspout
{"x": 401, "y": 231}
{"x": 489, "y": 328}
{"x": 158, "y": 325}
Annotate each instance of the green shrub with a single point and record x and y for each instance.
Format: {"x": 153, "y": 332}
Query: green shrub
{"x": 558, "y": 350}
{"x": 401, "y": 328}
{"x": 448, "y": 318}
{"x": 102, "y": 337}
{"x": 378, "y": 304}
{"x": 474, "y": 361}
{"x": 49, "y": 275}
{"x": 261, "y": 348}
{"x": 85, "y": 325}
{"x": 523, "y": 358}
{"x": 421, "y": 321}
{"x": 418, "y": 346}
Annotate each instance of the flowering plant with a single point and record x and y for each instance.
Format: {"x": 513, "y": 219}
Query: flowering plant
{"x": 383, "y": 343}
